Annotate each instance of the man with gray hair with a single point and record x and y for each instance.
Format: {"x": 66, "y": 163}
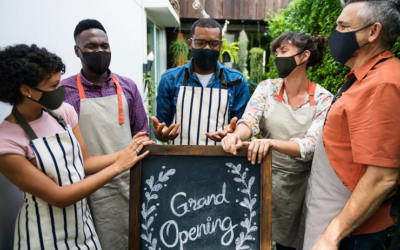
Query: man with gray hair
{"x": 352, "y": 198}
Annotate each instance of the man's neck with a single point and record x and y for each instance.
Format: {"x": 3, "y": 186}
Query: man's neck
{"x": 93, "y": 77}
{"x": 199, "y": 71}
{"x": 365, "y": 55}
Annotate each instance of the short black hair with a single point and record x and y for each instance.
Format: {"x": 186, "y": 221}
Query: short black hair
{"x": 87, "y": 24}
{"x": 23, "y": 64}
{"x": 205, "y": 23}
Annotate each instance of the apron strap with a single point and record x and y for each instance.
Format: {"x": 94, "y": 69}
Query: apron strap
{"x": 311, "y": 92}
{"x": 28, "y": 129}
{"x": 119, "y": 95}
{"x": 224, "y": 84}
{"x": 24, "y": 124}
{"x": 59, "y": 118}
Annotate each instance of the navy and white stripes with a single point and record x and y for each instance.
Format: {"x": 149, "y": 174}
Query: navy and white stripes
{"x": 200, "y": 110}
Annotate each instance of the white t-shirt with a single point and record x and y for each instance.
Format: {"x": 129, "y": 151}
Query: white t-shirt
{"x": 204, "y": 79}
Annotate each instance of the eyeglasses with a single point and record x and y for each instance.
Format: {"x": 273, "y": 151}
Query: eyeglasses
{"x": 201, "y": 43}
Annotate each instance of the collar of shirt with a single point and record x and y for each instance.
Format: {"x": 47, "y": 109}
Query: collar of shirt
{"x": 189, "y": 69}
{"x": 87, "y": 85}
{"x": 362, "y": 72}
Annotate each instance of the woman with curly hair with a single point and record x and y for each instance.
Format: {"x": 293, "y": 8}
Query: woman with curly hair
{"x": 43, "y": 153}
{"x": 288, "y": 113}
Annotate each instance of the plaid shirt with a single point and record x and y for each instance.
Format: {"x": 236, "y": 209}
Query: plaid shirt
{"x": 137, "y": 113}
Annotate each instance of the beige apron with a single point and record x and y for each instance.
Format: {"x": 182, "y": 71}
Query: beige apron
{"x": 106, "y": 129}
{"x": 289, "y": 177}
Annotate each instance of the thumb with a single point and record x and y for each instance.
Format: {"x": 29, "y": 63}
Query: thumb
{"x": 233, "y": 123}
{"x": 155, "y": 121}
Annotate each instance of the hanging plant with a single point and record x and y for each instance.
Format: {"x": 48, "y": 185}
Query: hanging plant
{"x": 180, "y": 51}
{"x": 243, "y": 52}
{"x": 232, "y": 50}
{"x": 256, "y": 64}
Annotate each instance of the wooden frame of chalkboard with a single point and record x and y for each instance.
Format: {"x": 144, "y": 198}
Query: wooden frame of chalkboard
{"x": 210, "y": 151}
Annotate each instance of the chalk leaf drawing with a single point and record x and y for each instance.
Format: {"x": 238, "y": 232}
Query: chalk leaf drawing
{"x": 248, "y": 203}
{"x": 148, "y": 209}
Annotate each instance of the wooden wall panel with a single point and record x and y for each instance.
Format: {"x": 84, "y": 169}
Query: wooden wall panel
{"x": 252, "y": 5}
{"x": 233, "y": 9}
{"x": 244, "y": 9}
{"x": 261, "y": 12}
{"x": 184, "y": 8}
{"x": 227, "y": 9}
{"x": 219, "y": 11}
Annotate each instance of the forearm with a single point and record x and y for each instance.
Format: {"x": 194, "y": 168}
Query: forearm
{"x": 367, "y": 197}
{"x": 73, "y": 193}
{"x": 243, "y": 132}
{"x": 94, "y": 164}
{"x": 290, "y": 148}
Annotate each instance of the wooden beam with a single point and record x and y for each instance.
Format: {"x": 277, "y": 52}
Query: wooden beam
{"x": 252, "y": 9}
{"x": 235, "y": 9}
{"x": 219, "y": 9}
{"x": 211, "y": 8}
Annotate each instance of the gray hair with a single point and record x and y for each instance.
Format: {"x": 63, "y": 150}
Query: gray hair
{"x": 385, "y": 12}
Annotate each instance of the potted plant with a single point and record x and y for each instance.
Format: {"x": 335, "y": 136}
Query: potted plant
{"x": 256, "y": 64}
{"x": 180, "y": 51}
{"x": 229, "y": 52}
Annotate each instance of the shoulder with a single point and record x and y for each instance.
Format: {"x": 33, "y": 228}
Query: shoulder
{"x": 387, "y": 71}
{"x": 271, "y": 84}
{"x": 12, "y": 139}
{"x": 174, "y": 72}
{"x": 232, "y": 74}
{"x": 125, "y": 82}
{"x": 322, "y": 94}
{"x": 68, "y": 113}
{"x": 69, "y": 82}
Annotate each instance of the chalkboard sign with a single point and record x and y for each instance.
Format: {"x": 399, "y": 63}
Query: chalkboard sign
{"x": 198, "y": 198}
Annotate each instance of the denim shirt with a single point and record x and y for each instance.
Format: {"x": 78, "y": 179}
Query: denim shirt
{"x": 172, "y": 79}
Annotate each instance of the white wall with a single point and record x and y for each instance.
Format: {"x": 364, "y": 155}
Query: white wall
{"x": 51, "y": 24}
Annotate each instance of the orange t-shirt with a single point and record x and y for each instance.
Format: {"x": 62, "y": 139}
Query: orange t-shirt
{"x": 363, "y": 129}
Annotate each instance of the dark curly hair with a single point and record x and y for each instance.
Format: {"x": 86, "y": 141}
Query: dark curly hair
{"x": 23, "y": 64}
{"x": 316, "y": 45}
{"x": 87, "y": 24}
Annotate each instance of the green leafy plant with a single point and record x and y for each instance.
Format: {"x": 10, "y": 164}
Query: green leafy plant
{"x": 232, "y": 49}
{"x": 256, "y": 65}
{"x": 243, "y": 52}
{"x": 151, "y": 87}
{"x": 180, "y": 51}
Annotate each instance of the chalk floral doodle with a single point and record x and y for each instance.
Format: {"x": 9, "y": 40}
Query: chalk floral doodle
{"x": 148, "y": 209}
{"x": 248, "y": 202}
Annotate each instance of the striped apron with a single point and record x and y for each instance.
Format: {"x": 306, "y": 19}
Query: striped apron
{"x": 40, "y": 225}
{"x": 200, "y": 110}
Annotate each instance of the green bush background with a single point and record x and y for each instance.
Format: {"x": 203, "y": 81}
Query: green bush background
{"x": 317, "y": 17}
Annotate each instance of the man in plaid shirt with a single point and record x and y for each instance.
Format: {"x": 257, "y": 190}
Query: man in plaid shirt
{"x": 111, "y": 112}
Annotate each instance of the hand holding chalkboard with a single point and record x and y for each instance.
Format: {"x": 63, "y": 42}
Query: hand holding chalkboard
{"x": 203, "y": 201}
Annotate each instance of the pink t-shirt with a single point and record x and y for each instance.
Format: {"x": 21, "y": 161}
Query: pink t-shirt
{"x": 14, "y": 140}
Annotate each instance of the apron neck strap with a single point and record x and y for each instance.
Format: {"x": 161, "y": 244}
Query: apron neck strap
{"x": 311, "y": 92}
{"x": 224, "y": 84}
{"x": 119, "y": 94}
{"x": 28, "y": 129}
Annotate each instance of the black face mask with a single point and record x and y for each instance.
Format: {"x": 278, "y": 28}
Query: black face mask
{"x": 285, "y": 65}
{"x": 98, "y": 62}
{"x": 51, "y": 99}
{"x": 344, "y": 44}
{"x": 206, "y": 59}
